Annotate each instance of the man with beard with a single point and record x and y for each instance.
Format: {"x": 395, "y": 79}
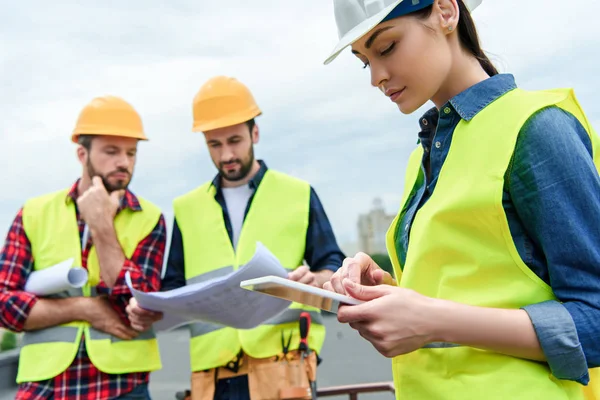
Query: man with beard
{"x": 216, "y": 228}
{"x": 79, "y": 344}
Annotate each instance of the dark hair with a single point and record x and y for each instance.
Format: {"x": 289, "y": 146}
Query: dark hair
{"x": 467, "y": 34}
{"x": 250, "y": 124}
{"x": 85, "y": 141}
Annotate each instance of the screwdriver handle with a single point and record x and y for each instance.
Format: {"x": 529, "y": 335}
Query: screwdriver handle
{"x": 304, "y": 328}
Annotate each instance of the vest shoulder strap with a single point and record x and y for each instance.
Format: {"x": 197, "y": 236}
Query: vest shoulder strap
{"x": 285, "y": 178}
{"x": 412, "y": 172}
{"x": 35, "y": 208}
{"x": 149, "y": 208}
{"x": 193, "y": 195}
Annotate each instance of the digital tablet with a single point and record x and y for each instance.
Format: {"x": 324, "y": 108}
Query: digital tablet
{"x": 299, "y": 292}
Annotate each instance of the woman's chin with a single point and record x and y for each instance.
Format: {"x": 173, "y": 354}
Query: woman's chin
{"x": 408, "y": 107}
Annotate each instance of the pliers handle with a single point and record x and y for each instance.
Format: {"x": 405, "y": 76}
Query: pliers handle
{"x": 286, "y": 346}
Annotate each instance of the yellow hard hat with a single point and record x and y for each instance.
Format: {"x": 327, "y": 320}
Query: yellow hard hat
{"x": 109, "y": 115}
{"x": 223, "y": 101}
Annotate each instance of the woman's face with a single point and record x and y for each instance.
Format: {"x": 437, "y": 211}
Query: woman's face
{"x": 409, "y": 58}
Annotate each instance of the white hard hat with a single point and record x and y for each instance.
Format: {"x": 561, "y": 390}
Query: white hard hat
{"x": 354, "y": 18}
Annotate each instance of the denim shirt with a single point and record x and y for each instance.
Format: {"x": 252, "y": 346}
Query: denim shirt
{"x": 552, "y": 203}
{"x": 322, "y": 250}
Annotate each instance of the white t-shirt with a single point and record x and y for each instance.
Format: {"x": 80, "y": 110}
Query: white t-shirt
{"x": 236, "y": 199}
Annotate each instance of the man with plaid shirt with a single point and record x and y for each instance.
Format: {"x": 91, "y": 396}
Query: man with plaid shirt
{"x": 79, "y": 344}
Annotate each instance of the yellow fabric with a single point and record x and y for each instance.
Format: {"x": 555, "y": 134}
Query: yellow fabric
{"x": 278, "y": 218}
{"x": 461, "y": 249}
{"x": 592, "y": 390}
{"x": 51, "y": 226}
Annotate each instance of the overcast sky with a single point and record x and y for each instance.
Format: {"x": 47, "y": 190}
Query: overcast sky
{"x": 322, "y": 123}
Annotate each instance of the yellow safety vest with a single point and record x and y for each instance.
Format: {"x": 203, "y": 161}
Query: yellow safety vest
{"x": 278, "y": 218}
{"x": 51, "y": 226}
{"x": 472, "y": 258}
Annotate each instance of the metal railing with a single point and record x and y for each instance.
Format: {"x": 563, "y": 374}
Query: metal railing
{"x": 351, "y": 390}
{"x": 354, "y": 390}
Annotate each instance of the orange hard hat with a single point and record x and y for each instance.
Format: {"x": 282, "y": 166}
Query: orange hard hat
{"x": 109, "y": 115}
{"x": 223, "y": 101}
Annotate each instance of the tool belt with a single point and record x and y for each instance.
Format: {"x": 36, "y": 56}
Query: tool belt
{"x": 275, "y": 378}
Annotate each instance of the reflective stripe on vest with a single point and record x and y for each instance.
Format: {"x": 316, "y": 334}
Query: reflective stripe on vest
{"x": 278, "y": 218}
{"x": 461, "y": 249}
{"x": 288, "y": 316}
{"x": 51, "y": 226}
{"x": 68, "y": 334}
{"x": 218, "y": 273}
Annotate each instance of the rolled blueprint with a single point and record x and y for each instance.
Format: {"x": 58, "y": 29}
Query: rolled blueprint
{"x": 56, "y": 279}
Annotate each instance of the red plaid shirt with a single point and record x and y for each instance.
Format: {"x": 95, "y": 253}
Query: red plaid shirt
{"x": 81, "y": 380}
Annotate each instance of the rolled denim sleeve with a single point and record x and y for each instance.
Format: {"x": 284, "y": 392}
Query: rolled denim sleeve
{"x": 322, "y": 250}
{"x": 555, "y": 188}
{"x": 558, "y": 337}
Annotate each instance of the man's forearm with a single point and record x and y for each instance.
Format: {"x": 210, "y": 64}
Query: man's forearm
{"x": 51, "y": 312}
{"x": 323, "y": 276}
{"x": 110, "y": 254}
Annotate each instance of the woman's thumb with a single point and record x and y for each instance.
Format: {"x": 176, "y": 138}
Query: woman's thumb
{"x": 362, "y": 292}
{"x": 381, "y": 277}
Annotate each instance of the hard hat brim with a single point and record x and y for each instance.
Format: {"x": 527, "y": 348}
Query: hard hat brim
{"x": 227, "y": 120}
{"x": 138, "y": 136}
{"x": 360, "y": 30}
{"x": 364, "y": 27}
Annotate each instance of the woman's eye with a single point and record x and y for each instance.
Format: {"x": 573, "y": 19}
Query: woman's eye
{"x": 388, "y": 49}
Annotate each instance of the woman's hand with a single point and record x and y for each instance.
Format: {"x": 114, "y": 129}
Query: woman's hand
{"x": 398, "y": 321}
{"x": 395, "y": 320}
{"x": 360, "y": 269}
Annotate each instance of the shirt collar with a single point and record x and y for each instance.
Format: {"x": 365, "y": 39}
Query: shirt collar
{"x": 129, "y": 200}
{"x": 253, "y": 183}
{"x": 471, "y": 101}
{"x": 428, "y": 124}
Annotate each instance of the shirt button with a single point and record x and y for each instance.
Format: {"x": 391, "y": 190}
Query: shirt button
{"x": 447, "y": 110}
{"x": 424, "y": 121}
{"x": 406, "y": 227}
{"x": 438, "y": 145}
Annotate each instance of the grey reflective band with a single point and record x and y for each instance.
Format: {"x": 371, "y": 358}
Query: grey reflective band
{"x": 202, "y": 328}
{"x": 440, "y": 345}
{"x": 288, "y": 316}
{"x": 68, "y": 334}
{"x": 99, "y": 335}
{"x": 217, "y": 273}
{"x": 63, "y": 334}
{"x": 72, "y": 292}
{"x": 293, "y": 315}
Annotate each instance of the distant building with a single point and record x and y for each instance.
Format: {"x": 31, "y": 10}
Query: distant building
{"x": 372, "y": 228}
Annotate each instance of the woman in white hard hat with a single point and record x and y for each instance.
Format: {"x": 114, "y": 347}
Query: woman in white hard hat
{"x": 496, "y": 245}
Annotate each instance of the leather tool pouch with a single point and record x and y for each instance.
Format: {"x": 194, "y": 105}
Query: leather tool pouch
{"x": 286, "y": 378}
{"x": 203, "y": 385}
{"x": 268, "y": 378}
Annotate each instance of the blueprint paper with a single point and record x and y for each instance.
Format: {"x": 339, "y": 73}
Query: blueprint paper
{"x": 220, "y": 300}
{"x": 56, "y": 279}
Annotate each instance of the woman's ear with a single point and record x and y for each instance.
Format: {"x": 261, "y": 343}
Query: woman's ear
{"x": 448, "y": 14}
